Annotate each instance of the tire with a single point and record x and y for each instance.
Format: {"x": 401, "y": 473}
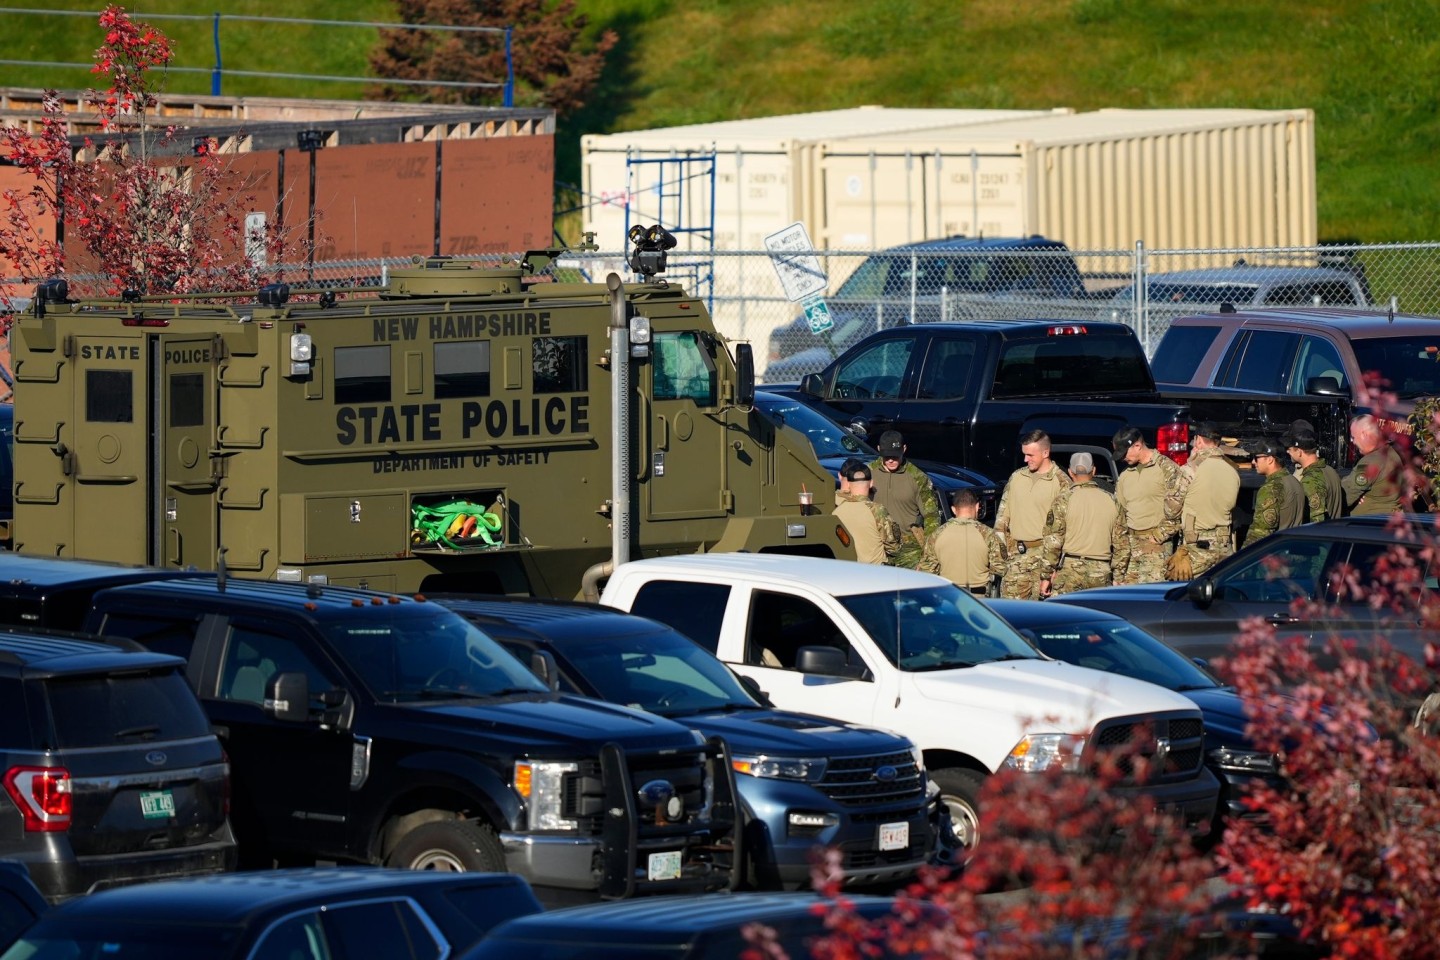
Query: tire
{"x": 960, "y": 791}
{"x": 456, "y": 846}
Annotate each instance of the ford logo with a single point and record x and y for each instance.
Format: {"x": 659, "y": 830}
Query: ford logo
{"x": 156, "y": 758}
{"x": 886, "y": 774}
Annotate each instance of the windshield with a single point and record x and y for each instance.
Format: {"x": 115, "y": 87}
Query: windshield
{"x": 68, "y": 939}
{"x": 424, "y": 651}
{"x": 659, "y": 671}
{"x": 1118, "y": 647}
{"x": 1411, "y": 364}
{"x": 936, "y": 628}
{"x": 827, "y": 437}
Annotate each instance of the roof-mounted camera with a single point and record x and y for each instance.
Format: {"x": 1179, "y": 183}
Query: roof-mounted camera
{"x": 648, "y": 257}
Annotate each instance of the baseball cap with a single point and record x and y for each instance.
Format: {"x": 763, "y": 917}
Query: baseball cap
{"x": 1082, "y": 462}
{"x": 1304, "y": 439}
{"x": 1206, "y": 429}
{"x": 858, "y": 472}
{"x": 1267, "y": 448}
{"x": 891, "y": 444}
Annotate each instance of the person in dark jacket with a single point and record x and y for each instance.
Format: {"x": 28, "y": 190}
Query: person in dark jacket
{"x": 1280, "y": 501}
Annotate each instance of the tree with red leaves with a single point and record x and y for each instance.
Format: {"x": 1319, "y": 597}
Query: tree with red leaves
{"x": 552, "y": 67}
{"x": 133, "y": 204}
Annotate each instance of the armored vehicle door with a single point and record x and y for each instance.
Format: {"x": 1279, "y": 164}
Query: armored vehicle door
{"x": 111, "y": 508}
{"x": 184, "y": 534}
{"x": 686, "y": 476}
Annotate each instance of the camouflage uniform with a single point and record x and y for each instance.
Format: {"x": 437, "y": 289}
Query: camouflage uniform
{"x": 909, "y": 498}
{"x": 1279, "y": 505}
{"x": 1373, "y": 487}
{"x": 1323, "y": 494}
{"x": 1150, "y": 496}
{"x": 1023, "y": 520}
{"x": 1205, "y": 519}
{"x": 1083, "y": 539}
{"x": 965, "y": 552}
{"x": 875, "y": 534}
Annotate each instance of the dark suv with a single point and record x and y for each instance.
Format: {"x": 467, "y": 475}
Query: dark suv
{"x": 111, "y": 774}
{"x": 955, "y": 278}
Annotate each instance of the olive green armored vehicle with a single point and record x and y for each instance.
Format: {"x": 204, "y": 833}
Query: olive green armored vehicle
{"x": 460, "y": 429}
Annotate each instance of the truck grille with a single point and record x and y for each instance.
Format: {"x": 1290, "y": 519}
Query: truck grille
{"x": 583, "y": 797}
{"x": 854, "y": 781}
{"x": 1175, "y": 745}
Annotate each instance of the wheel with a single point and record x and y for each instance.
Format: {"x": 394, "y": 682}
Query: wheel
{"x": 960, "y": 790}
{"x": 456, "y": 846}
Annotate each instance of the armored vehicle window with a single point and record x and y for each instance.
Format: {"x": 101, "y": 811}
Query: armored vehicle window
{"x": 462, "y": 369}
{"x": 362, "y": 374}
{"x": 683, "y": 369}
{"x": 187, "y": 399}
{"x": 109, "y": 396}
{"x": 694, "y": 609}
{"x": 1180, "y": 352}
{"x": 560, "y": 364}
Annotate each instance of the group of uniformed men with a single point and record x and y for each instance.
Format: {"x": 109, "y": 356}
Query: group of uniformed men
{"x": 1057, "y": 531}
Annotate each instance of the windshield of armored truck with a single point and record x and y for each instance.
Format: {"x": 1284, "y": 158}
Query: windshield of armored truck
{"x": 936, "y": 628}
{"x": 418, "y": 652}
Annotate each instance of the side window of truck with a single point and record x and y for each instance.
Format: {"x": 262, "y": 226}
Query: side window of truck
{"x": 1260, "y": 360}
{"x": 683, "y": 369}
{"x": 175, "y": 636}
{"x": 876, "y": 371}
{"x": 694, "y": 609}
{"x": 947, "y": 369}
{"x": 1180, "y": 352}
{"x": 1317, "y": 358}
{"x": 559, "y": 364}
{"x": 254, "y": 656}
{"x": 780, "y": 624}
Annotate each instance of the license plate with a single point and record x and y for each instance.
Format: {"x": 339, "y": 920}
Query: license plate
{"x": 664, "y": 866}
{"x": 157, "y": 805}
{"x": 894, "y": 836}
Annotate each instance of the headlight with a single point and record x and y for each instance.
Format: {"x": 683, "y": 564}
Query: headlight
{"x": 805, "y": 769}
{"x": 919, "y": 758}
{"x": 540, "y": 783}
{"x": 1245, "y": 761}
{"x": 1047, "y": 751}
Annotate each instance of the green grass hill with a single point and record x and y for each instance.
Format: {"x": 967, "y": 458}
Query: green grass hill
{"x": 1370, "y": 69}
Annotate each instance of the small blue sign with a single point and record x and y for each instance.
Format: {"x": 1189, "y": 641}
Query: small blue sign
{"x": 817, "y": 314}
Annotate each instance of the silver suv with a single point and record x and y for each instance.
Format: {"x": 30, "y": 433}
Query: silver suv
{"x": 109, "y": 771}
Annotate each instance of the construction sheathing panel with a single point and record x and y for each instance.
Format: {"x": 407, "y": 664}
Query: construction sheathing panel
{"x": 497, "y": 195}
{"x": 372, "y": 200}
{"x": 21, "y": 182}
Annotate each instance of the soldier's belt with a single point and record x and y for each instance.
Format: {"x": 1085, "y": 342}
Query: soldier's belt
{"x": 1031, "y": 544}
{"x": 979, "y": 591}
{"x": 1076, "y": 556}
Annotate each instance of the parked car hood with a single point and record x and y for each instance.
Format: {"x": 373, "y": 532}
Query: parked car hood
{"x": 537, "y": 724}
{"x": 1129, "y": 593}
{"x": 1224, "y": 716}
{"x": 784, "y": 733}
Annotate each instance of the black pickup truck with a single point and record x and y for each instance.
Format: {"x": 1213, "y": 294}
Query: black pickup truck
{"x": 964, "y": 392}
{"x": 371, "y": 728}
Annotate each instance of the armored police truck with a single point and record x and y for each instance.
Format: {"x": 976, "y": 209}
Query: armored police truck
{"x": 460, "y": 428}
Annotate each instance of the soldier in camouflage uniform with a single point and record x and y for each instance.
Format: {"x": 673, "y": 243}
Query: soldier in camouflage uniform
{"x": 907, "y": 495}
{"x": 1324, "y": 497}
{"x": 1149, "y": 493}
{"x": 1023, "y": 516}
{"x": 1373, "y": 486}
{"x": 876, "y": 536}
{"x": 1280, "y": 501}
{"x": 1212, "y": 488}
{"x": 1085, "y": 535}
{"x": 964, "y": 550}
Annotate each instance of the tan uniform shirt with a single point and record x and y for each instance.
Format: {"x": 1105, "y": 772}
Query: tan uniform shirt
{"x": 875, "y": 534}
{"x": 1025, "y": 505}
{"x": 965, "y": 552}
{"x": 1151, "y": 495}
{"x": 1084, "y": 518}
{"x": 1210, "y": 497}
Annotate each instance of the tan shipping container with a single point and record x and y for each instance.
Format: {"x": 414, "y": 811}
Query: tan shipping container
{"x": 761, "y": 182}
{"x": 1174, "y": 179}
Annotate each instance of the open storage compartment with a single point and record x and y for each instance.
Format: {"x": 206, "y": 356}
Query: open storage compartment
{"x": 462, "y": 521}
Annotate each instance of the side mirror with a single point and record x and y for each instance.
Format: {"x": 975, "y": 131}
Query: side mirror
{"x": 1324, "y": 387}
{"x": 812, "y": 385}
{"x": 744, "y": 375}
{"x": 752, "y": 686}
{"x": 542, "y": 664}
{"x": 288, "y": 698}
{"x": 825, "y": 661}
{"x": 1201, "y": 591}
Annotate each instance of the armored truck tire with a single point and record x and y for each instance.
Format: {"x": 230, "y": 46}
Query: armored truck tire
{"x": 960, "y": 792}
{"x": 455, "y": 846}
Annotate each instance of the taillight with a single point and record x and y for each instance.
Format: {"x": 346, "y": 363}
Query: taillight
{"x": 1173, "y": 440}
{"x": 1065, "y": 330}
{"x": 43, "y": 796}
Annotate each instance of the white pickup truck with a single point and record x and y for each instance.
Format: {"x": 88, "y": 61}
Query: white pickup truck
{"x": 913, "y": 653}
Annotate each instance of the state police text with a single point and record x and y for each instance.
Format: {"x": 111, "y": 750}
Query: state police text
{"x": 495, "y": 420}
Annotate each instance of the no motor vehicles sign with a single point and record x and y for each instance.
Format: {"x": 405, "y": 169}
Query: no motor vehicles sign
{"x": 796, "y": 263}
